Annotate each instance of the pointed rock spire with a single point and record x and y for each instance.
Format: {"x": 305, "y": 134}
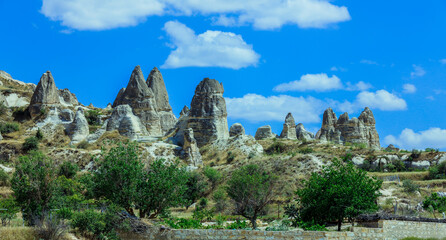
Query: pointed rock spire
{"x": 118, "y": 98}
{"x": 302, "y": 133}
{"x": 136, "y": 88}
{"x": 184, "y": 111}
{"x": 155, "y": 82}
{"x": 289, "y": 127}
{"x": 46, "y": 93}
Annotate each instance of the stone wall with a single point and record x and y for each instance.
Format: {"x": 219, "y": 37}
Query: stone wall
{"x": 388, "y": 230}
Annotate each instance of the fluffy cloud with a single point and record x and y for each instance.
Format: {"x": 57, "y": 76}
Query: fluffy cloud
{"x": 409, "y": 88}
{"x": 418, "y": 71}
{"x": 311, "y": 82}
{"x": 256, "y": 108}
{"x": 360, "y": 86}
{"x": 380, "y": 99}
{"x": 408, "y": 139}
{"x": 262, "y": 14}
{"x": 211, "y": 48}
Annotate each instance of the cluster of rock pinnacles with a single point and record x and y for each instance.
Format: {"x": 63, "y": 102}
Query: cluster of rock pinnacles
{"x": 142, "y": 110}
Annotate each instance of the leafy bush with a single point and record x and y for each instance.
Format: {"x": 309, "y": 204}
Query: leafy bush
{"x": 183, "y": 223}
{"x": 10, "y": 210}
{"x": 68, "y": 169}
{"x": 277, "y": 147}
{"x": 93, "y": 117}
{"x": 238, "y": 225}
{"x": 9, "y": 127}
{"x": 213, "y": 175}
{"x": 438, "y": 171}
{"x": 312, "y": 226}
{"x": 432, "y": 150}
{"x": 435, "y": 203}
{"x": 220, "y": 198}
{"x": 31, "y": 143}
{"x": 4, "y": 178}
{"x": 39, "y": 134}
{"x": 293, "y": 213}
{"x": 88, "y": 222}
{"x": 50, "y": 228}
{"x": 230, "y": 157}
{"x": 409, "y": 186}
{"x": 306, "y": 150}
{"x": 348, "y": 157}
{"x": 201, "y": 214}
{"x": 3, "y": 108}
{"x": 83, "y": 145}
{"x": 196, "y": 187}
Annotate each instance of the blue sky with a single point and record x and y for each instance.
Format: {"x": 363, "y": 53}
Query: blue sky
{"x": 273, "y": 56}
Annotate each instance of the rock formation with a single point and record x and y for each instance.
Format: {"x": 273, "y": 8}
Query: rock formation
{"x": 289, "y": 127}
{"x": 67, "y": 98}
{"x": 207, "y": 115}
{"x": 155, "y": 83}
{"x": 184, "y": 111}
{"x": 45, "y": 95}
{"x": 355, "y": 130}
{"x": 1, "y": 137}
{"x": 236, "y": 130}
{"x": 78, "y": 130}
{"x": 118, "y": 97}
{"x": 142, "y": 101}
{"x": 191, "y": 149}
{"x": 264, "y": 132}
{"x": 127, "y": 124}
{"x": 302, "y": 133}
{"x": 66, "y": 115}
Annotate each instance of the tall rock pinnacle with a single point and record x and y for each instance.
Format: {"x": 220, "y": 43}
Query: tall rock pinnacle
{"x": 207, "y": 115}
{"x": 46, "y": 94}
{"x": 289, "y": 127}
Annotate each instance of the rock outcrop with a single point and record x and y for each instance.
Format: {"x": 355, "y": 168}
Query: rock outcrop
{"x": 356, "y": 130}
{"x": 127, "y": 124}
{"x": 190, "y": 148}
{"x": 78, "y": 130}
{"x": 155, "y": 83}
{"x": 184, "y": 111}
{"x": 264, "y": 132}
{"x": 142, "y": 101}
{"x": 236, "y": 130}
{"x": 67, "y": 98}
{"x": 1, "y": 137}
{"x": 45, "y": 95}
{"x": 302, "y": 133}
{"x": 289, "y": 127}
{"x": 207, "y": 115}
{"x": 118, "y": 97}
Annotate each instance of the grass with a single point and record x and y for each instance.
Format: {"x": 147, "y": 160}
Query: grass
{"x": 17, "y": 233}
{"x": 416, "y": 176}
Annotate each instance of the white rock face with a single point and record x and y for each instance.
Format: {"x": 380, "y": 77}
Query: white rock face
{"x": 358, "y": 160}
{"x": 1, "y": 137}
{"x": 127, "y": 124}
{"x": 264, "y": 132}
{"x": 421, "y": 165}
{"x": 191, "y": 150}
{"x": 289, "y": 128}
{"x": 161, "y": 150}
{"x": 302, "y": 133}
{"x": 78, "y": 130}
{"x": 6, "y": 169}
{"x": 236, "y": 129}
{"x": 14, "y": 100}
{"x": 246, "y": 144}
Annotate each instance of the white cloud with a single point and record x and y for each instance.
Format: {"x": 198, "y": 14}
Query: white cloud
{"x": 100, "y": 14}
{"x": 369, "y": 62}
{"x": 257, "y": 108}
{"x": 408, "y": 139}
{"x": 262, "y": 14}
{"x": 334, "y": 69}
{"x": 430, "y": 98}
{"x": 209, "y": 49}
{"x": 443, "y": 61}
{"x": 360, "y": 86}
{"x": 380, "y": 99}
{"x": 409, "y": 88}
{"x": 418, "y": 71}
{"x": 311, "y": 82}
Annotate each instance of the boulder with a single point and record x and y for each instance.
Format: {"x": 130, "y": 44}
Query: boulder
{"x": 236, "y": 130}
{"x": 67, "y": 98}
{"x": 302, "y": 133}
{"x": 191, "y": 149}
{"x": 45, "y": 95}
{"x": 78, "y": 130}
{"x": 207, "y": 115}
{"x": 264, "y": 132}
{"x": 127, "y": 124}
{"x": 142, "y": 102}
{"x": 155, "y": 83}
{"x": 289, "y": 127}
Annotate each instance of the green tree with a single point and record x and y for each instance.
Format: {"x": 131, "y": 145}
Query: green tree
{"x": 213, "y": 175}
{"x": 162, "y": 186}
{"x": 118, "y": 174}
{"x": 196, "y": 186}
{"x": 435, "y": 203}
{"x": 33, "y": 183}
{"x": 339, "y": 191}
{"x": 251, "y": 188}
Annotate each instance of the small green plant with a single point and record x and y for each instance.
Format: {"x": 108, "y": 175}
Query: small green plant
{"x": 93, "y": 117}
{"x": 312, "y": 226}
{"x": 4, "y": 178}
{"x": 230, "y": 158}
{"x": 438, "y": 171}
{"x": 3, "y": 108}
{"x": 213, "y": 176}
{"x": 347, "y": 158}
{"x": 10, "y": 210}
{"x": 83, "y": 145}
{"x": 183, "y": 223}
{"x": 220, "y": 198}
{"x": 68, "y": 169}
{"x": 409, "y": 186}
{"x": 9, "y": 127}
{"x": 432, "y": 150}
{"x": 31, "y": 143}
{"x": 39, "y": 134}
{"x": 306, "y": 150}
{"x": 276, "y": 148}
{"x": 43, "y": 111}
{"x": 238, "y": 225}
{"x": 202, "y": 214}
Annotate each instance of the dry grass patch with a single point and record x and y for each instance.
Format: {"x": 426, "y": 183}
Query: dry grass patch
{"x": 416, "y": 176}
{"x": 17, "y": 233}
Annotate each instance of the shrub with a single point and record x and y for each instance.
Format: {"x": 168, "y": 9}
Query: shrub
{"x": 83, "y": 145}
{"x": 9, "y": 127}
{"x": 196, "y": 186}
{"x": 438, "y": 171}
{"x": 348, "y": 157}
{"x": 220, "y": 198}
{"x": 435, "y": 203}
{"x": 89, "y": 222}
{"x": 276, "y": 148}
{"x": 39, "y": 134}
{"x": 182, "y": 223}
{"x": 432, "y": 150}
{"x": 3, "y": 108}
{"x": 31, "y": 143}
{"x": 213, "y": 175}
{"x": 306, "y": 150}
{"x": 238, "y": 225}
{"x": 4, "y": 178}
{"x": 201, "y": 214}
{"x": 93, "y": 117}
{"x": 10, "y": 210}
{"x": 68, "y": 169}
{"x": 50, "y": 228}
{"x": 409, "y": 186}
{"x": 230, "y": 157}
